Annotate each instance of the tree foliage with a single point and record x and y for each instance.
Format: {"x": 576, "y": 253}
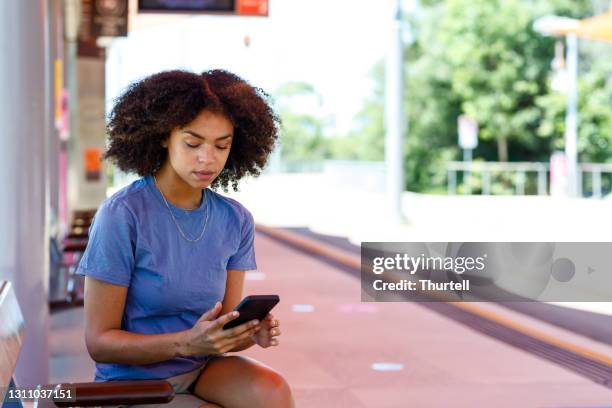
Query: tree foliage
{"x": 482, "y": 58}
{"x": 301, "y": 135}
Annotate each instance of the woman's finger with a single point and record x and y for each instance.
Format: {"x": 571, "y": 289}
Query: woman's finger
{"x": 221, "y": 321}
{"x": 238, "y": 330}
{"x": 232, "y": 342}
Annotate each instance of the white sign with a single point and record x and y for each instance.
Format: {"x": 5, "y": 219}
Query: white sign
{"x": 468, "y": 132}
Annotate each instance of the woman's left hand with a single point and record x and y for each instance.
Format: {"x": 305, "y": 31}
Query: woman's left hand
{"x": 269, "y": 329}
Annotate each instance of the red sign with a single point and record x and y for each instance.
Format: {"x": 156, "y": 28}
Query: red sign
{"x": 93, "y": 163}
{"x": 252, "y": 8}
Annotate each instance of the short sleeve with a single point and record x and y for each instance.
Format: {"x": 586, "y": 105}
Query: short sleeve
{"x": 109, "y": 255}
{"x": 244, "y": 258}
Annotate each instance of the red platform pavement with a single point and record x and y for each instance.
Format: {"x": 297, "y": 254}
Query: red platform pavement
{"x": 331, "y": 342}
{"x": 328, "y": 354}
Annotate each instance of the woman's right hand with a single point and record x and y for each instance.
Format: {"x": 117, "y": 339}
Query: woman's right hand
{"x": 207, "y": 336}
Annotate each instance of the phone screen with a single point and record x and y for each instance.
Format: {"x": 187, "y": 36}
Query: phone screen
{"x": 253, "y": 307}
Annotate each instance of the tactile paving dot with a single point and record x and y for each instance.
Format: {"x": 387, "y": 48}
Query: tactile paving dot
{"x": 255, "y": 275}
{"x": 302, "y": 308}
{"x": 387, "y": 366}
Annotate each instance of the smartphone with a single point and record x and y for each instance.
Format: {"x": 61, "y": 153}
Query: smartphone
{"x": 253, "y": 307}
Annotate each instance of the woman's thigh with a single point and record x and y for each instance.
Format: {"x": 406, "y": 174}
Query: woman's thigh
{"x": 237, "y": 381}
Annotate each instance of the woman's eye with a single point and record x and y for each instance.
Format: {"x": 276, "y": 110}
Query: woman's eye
{"x": 191, "y": 145}
{"x": 222, "y": 147}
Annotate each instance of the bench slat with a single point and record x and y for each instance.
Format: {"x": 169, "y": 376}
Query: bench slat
{"x": 118, "y": 393}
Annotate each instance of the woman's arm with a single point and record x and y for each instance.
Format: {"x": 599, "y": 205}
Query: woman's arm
{"x": 233, "y": 290}
{"x": 107, "y": 343}
{"x": 233, "y": 296}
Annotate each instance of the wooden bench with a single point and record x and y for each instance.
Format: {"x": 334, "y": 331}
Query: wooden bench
{"x": 66, "y": 288}
{"x": 78, "y": 233}
{"x": 82, "y": 394}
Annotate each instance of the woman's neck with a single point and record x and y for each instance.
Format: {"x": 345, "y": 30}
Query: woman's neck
{"x": 176, "y": 191}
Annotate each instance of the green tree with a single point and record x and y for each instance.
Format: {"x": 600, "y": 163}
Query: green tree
{"x": 366, "y": 140}
{"x": 301, "y": 134}
{"x": 498, "y": 66}
{"x": 595, "y": 118}
{"x": 482, "y": 57}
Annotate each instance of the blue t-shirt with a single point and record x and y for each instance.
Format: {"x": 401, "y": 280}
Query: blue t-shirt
{"x": 135, "y": 242}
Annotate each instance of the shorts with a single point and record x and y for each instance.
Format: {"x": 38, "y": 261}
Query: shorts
{"x": 183, "y": 397}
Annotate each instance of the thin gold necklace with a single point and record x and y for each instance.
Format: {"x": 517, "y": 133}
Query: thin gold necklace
{"x": 185, "y": 237}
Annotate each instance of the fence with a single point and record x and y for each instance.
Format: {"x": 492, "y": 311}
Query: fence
{"x": 520, "y": 171}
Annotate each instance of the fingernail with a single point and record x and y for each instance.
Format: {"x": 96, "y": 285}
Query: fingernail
{"x": 234, "y": 314}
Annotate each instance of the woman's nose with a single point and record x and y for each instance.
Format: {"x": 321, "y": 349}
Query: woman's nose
{"x": 205, "y": 154}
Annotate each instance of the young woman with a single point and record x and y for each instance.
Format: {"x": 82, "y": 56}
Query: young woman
{"x": 166, "y": 255}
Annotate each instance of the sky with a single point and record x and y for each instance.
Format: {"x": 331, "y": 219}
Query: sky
{"x": 331, "y": 44}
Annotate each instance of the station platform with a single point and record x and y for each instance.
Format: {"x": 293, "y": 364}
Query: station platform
{"x": 336, "y": 351}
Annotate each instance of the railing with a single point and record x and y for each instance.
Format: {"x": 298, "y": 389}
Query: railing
{"x": 486, "y": 169}
{"x": 519, "y": 171}
{"x": 596, "y": 170}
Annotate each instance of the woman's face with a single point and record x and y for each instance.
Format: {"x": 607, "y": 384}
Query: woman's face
{"x": 197, "y": 152}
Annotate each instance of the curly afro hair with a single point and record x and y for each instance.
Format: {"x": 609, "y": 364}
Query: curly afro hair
{"x": 146, "y": 113}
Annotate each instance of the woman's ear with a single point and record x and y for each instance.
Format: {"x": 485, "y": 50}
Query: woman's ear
{"x": 164, "y": 143}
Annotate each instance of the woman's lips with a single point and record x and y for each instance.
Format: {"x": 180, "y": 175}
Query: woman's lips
{"x": 204, "y": 175}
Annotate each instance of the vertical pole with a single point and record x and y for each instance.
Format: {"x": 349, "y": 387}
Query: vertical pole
{"x": 71, "y": 145}
{"x": 452, "y": 181}
{"x": 520, "y": 182}
{"x": 486, "y": 182}
{"x": 596, "y": 180}
{"x": 394, "y": 86}
{"x": 23, "y": 163}
{"x": 571, "y": 118}
{"x": 72, "y": 16}
{"x": 578, "y": 182}
{"x": 542, "y": 181}
{"x": 467, "y": 174}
